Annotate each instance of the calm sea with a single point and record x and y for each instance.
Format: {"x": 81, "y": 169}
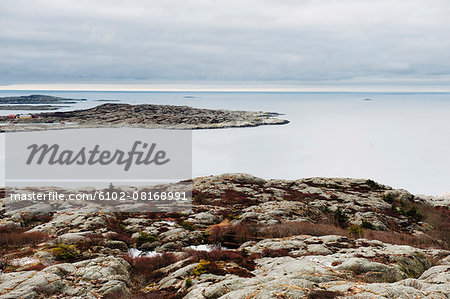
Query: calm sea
{"x": 398, "y": 139}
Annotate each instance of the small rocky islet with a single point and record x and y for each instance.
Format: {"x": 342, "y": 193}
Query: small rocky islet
{"x": 245, "y": 237}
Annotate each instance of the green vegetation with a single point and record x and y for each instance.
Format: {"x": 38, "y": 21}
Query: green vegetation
{"x": 367, "y": 225}
{"x": 66, "y": 252}
{"x": 355, "y": 230}
{"x": 189, "y": 282}
{"x": 201, "y": 268}
{"x": 412, "y": 213}
{"x": 340, "y": 217}
{"x": 389, "y": 197}
{"x": 145, "y": 238}
{"x": 188, "y": 225}
{"x": 373, "y": 185}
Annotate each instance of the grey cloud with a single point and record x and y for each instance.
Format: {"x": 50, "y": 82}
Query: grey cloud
{"x": 97, "y": 41}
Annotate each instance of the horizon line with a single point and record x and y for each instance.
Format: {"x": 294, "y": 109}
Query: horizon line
{"x": 182, "y": 87}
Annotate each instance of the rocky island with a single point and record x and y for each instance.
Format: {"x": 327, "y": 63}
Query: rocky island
{"x": 244, "y": 237}
{"x": 38, "y": 99}
{"x": 142, "y": 116}
{"x": 36, "y": 102}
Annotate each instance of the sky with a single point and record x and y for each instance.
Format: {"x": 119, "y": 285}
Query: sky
{"x": 276, "y": 42}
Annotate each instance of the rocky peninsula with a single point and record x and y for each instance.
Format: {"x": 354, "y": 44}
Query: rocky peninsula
{"x": 142, "y": 116}
{"x": 244, "y": 237}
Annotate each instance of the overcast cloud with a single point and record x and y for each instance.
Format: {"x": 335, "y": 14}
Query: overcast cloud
{"x": 140, "y": 41}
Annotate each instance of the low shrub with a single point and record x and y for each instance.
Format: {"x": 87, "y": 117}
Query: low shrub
{"x": 373, "y": 185}
{"x": 340, "y": 217}
{"x": 145, "y": 237}
{"x": 205, "y": 266}
{"x": 355, "y": 231}
{"x": 66, "y": 252}
{"x": 367, "y": 225}
{"x": 188, "y": 225}
{"x": 188, "y": 282}
{"x": 200, "y": 268}
{"x": 412, "y": 213}
{"x": 389, "y": 197}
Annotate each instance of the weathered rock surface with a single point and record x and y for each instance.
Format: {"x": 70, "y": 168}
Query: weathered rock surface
{"x": 245, "y": 237}
{"x": 86, "y": 279}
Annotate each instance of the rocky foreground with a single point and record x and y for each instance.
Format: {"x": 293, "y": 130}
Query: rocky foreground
{"x": 244, "y": 238}
{"x": 142, "y": 116}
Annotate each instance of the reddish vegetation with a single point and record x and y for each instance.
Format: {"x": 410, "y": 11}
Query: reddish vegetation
{"x": 295, "y": 195}
{"x": 13, "y": 237}
{"x": 216, "y": 255}
{"x": 147, "y": 265}
{"x": 275, "y": 252}
{"x": 119, "y": 236}
{"x": 228, "y": 198}
{"x": 114, "y": 224}
{"x": 322, "y": 294}
{"x": 234, "y": 235}
{"x": 439, "y": 219}
{"x": 233, "y": 197}
{"x": 90, "y": 241}
{"x": 30, "y": 219}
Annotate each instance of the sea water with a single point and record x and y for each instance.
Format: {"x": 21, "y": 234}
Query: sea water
{"x": 398, "y": 139}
